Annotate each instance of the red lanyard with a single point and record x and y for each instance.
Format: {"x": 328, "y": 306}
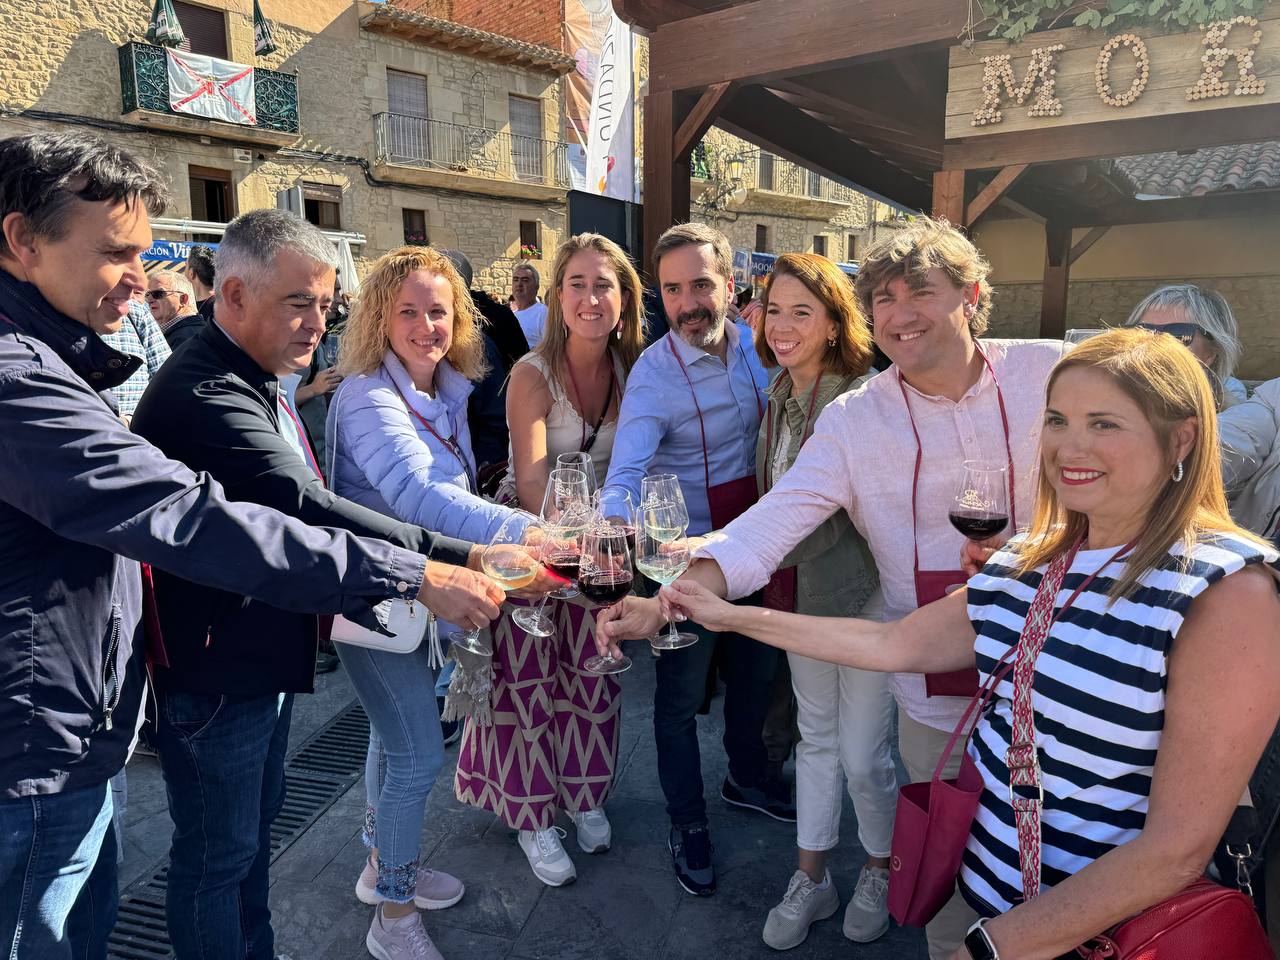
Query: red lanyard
{"x": 589, "y": 442}
{"x": 915, "y": 480}
{"x": 702, "y": 427}
{"x": 768, "y": 433}
{"x": 302, "y": 439}
{"x": 449, "y": 442}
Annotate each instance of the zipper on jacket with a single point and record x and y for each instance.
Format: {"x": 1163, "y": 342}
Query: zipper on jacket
{"x": 110, "y": 680}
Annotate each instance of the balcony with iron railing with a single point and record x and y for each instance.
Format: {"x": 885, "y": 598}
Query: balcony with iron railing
{"x": 439, "y": 153}
{"x": 144, "y": 91}
{"x": 751, "y": 175}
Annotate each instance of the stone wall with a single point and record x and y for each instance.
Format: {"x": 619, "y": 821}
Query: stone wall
{"x": 1095, "y": 303}
{"x": 63, "y": 60}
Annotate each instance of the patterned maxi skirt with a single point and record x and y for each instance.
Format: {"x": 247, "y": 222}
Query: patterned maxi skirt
{"x": 554, "y": 738}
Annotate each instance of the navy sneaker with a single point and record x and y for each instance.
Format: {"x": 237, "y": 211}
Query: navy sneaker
{"x": 773, "y": 799}
{"x": 691, "y": 856}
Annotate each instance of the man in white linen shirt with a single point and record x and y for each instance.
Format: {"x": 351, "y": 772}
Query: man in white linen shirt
{"x": 926, "y": 291}
{"x": 529, "y": 310}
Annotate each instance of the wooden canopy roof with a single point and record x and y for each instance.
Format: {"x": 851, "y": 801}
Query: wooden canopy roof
{"x": 857, "y": 89}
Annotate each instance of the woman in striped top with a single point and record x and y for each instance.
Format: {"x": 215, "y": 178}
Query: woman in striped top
{"x": 1130, "y": 725}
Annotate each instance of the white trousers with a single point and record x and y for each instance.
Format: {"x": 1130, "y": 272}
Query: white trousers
{"x": 845, "y": 717}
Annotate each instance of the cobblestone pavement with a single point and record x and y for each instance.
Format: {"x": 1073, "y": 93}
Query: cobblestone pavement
{"x": 625, "y": 904}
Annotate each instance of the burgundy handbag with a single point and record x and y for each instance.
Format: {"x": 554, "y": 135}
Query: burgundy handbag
{"x": 1205, "y": 920}
{"x": 932, "y": 822}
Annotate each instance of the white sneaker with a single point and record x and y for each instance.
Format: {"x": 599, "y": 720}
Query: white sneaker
{"x": 550, "y": 863}
{"x": 594, "y": 832}
{"x": 867, "y": 916}
{"x": 435, "y": 889}
{"x": 804, "y": 904}
{"x": 402, "y": 938}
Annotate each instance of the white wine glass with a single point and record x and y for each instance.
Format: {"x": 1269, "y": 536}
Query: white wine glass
{"x": 605, "y": 576}
{"x": 662, "y": 491}
{"x": 662, "y": 555}
{"x": 511, "y": 561}
{"x": 579, "y": 461}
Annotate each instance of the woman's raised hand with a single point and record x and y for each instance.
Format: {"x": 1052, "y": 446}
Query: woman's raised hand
{"x": 688, "y": 599}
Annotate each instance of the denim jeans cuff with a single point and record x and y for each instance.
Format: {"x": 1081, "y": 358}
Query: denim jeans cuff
{"x": 397, "y": 882}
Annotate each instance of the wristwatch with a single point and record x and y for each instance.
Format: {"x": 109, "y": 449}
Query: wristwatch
{"x": 979, "y": 943}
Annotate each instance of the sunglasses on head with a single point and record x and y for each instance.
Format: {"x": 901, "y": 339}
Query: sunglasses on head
{"x": 1184, "y": 333}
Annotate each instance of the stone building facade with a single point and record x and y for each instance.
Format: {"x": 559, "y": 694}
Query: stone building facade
{"x": 64, "y": 72}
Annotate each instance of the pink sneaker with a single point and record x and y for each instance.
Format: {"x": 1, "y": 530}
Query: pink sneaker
{"x": 435, "y": 891}
{"x": 403, "y": 938}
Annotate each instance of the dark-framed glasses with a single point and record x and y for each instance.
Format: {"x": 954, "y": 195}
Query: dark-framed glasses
{"x": 1184, "y": 333}
{"x": 160, "y": 294}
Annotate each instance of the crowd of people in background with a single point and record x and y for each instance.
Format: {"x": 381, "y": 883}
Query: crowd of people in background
{"x": 217, "y": 461}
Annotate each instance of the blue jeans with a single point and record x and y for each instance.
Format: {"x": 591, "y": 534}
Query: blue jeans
{"x": 681, "y": 688}
{"x": 406, "y": 752}
{"x": 57, "y": 875}
{"x": 223, "y": 762}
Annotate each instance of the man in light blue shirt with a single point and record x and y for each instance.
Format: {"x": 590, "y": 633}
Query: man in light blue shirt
{"x": 692, "y": 407}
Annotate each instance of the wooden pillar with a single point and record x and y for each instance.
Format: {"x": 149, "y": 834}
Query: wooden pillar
{"x": 948, "y": 196}
{"x": 1057, "y": 274}
{"x": 666, "y": 174}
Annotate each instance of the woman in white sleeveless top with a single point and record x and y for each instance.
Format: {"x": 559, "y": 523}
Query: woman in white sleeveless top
{"x": 1158, "y": 683}
{"x": 553, "y": 742}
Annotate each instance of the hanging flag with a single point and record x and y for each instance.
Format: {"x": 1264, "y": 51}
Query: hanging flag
{"x": 610, "y": 131}
{"x": 263, "y": 41}
{"x": 213, "y": 88}
{"x": 164, "y": 28}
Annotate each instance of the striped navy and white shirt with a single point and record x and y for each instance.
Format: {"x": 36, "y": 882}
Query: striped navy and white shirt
{"x": 1098, "y": 698}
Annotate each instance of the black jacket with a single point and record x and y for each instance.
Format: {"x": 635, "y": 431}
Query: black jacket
{"x": 183, "y": 329}
{"x": 205, "y": 308}
{"x": 82, "y": 500}
{"x": 214, "y": 409}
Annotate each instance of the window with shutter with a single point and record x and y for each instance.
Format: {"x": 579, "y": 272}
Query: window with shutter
{"x": 820, "y": 245}
{"x": 204, "y": 28}
{"x": 762, "y": 238}
{"x": 526, "y": 137}
{"x": 322, "y": 205}
{"x": 765, "y": 174}
{"x": 410, "y": 130}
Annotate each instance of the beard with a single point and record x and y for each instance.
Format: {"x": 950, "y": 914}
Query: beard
{"x": 709, "y": 336}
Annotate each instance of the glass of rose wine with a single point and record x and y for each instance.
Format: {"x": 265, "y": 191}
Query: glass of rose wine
{"x": 511, "y": 561}
{"x": 616, "y": 507}
{"x": 980, "y": 509}
{"x": 605, "y": 576}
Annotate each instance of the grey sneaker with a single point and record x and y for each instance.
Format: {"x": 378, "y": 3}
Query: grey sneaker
{"x": 402, "y": 938}
{"x": 867, "y": 916}
{"x": 802, "y": 905}
{"x": 546, "y": 856}
{"x": 594, "y": 833}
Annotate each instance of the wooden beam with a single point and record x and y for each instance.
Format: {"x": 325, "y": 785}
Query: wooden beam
{"x": 646, "y": 15}
{"x": 701, "y": 117}
{"x": 992, "y": 192}
{"x": 1229, "y": 203}
{"x": 804, "y": 37}
{"x": 948, "y": 195}
{"x": 666, "y": 175}
{"x": 761, "y": 117}
{"x": 804, "y": 93}
{"x": 1022, "y": 210}
{"x": 1117, "y": 138}
{"x": 1085, "y": 242}
{"x": 1057, "y": 275}
{"x": 909, "y": 75}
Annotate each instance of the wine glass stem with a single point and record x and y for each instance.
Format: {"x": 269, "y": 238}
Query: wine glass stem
{"x": 672, "y": 632}
{"x": 542, "y": 605}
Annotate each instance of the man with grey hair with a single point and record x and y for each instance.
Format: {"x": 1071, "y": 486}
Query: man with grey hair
{"x": 1203, "y": 322}
{"x": 225, "y": 696}
{"x": 529, "y": 310}
{"x": 172, "y": 300}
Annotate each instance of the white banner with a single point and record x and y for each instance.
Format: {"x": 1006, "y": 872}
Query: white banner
{"x": 212, "y": 88}
{"x": 610, "y": 130}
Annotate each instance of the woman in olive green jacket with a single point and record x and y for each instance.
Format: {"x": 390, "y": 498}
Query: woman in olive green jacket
{"x": 814, "y": 330}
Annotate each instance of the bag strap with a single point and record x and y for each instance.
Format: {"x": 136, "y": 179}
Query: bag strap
{"x": 1022, "y": 757}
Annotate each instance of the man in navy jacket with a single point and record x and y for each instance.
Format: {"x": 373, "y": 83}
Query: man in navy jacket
{"x": 82, "y": 500}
